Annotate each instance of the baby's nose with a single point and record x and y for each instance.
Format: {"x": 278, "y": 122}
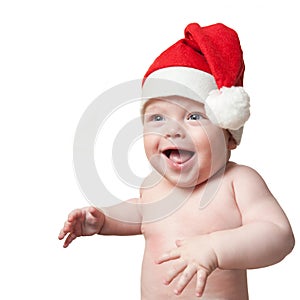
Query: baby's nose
{"x": 174, "y": 130}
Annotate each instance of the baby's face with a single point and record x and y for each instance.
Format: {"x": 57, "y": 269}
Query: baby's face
{"x": 181, "y": 143}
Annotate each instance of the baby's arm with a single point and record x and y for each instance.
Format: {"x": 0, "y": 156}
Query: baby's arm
{"x": 89, "y": 221}
{"x": 265, "y": 237}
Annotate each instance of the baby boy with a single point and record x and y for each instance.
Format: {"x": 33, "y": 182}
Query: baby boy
{"x": 225, "y": 220}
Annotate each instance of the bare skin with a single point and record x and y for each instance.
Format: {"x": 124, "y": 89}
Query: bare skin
{"x": 196, "y": 250}
{"x": 213, "y": 246}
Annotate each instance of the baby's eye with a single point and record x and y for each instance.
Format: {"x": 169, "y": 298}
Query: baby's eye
{"x": 195, "y": 116}
{"x": 157, "y": 118}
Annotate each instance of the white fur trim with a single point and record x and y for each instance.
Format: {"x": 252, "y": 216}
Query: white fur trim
{"x": 229, "y": 108}
{"x": 181, "y": 81}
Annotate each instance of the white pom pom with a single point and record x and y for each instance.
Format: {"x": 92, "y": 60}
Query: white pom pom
{"x": 228, "y": 108}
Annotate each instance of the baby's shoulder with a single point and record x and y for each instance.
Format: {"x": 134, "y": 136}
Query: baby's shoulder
{"x": 245, "y": 180}
{"x": 239, "y": 172}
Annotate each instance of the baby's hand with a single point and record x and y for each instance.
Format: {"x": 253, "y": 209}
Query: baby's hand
{"x": 82, "y": 222}
{"x": 193, "y": 256}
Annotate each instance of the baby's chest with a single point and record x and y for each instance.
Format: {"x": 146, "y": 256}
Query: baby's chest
{"x": 192, "y": 219}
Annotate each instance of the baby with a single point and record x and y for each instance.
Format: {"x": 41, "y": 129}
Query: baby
{"x": 221, "y": 218}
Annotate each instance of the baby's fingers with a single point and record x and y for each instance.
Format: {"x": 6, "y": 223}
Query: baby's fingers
{"x": 176, "y": 268}
{"x": 201, "y": 282}
{"x": 74, "y": 215}
{"x": 70, "y": 238}
{"x": 173, "y": 254}
{"x": 62, "y": 234}
{"x": 185, "y": 278}
{"x": 65, "y": 230}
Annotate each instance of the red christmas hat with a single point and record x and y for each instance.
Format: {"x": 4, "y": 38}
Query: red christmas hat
{"x": 206, "y": 66}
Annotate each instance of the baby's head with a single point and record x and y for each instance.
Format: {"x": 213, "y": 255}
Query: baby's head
{"x": 181, "y": 143}
{"x": 194, "y": 105}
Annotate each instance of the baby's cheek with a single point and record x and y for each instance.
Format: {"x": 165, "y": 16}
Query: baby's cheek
{"x": 149, "y": 144}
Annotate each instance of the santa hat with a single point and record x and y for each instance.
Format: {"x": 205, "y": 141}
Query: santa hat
{"x": 206, "y": 66}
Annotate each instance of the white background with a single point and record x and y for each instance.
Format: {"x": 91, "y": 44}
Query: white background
{"x": 56, "y": 57}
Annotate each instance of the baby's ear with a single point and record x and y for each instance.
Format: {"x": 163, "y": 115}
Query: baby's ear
{"x": 231, "y": 142}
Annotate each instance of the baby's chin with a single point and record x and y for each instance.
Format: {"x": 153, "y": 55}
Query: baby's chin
{"x": 186, "y": 184}
{"x": 193, "y": 179}
{"x": 188, "y": 175}
{"x": 186, "y": 180}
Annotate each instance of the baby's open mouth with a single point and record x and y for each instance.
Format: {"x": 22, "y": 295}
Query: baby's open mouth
{"x": 178, "y": 156}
